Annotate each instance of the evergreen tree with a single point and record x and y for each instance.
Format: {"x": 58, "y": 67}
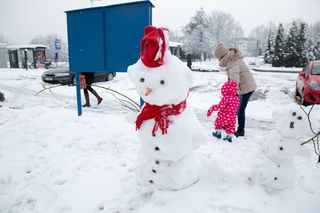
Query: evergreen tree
{"x": 290, "y": 50}
{"x": 301, "y": 46}
{"x": 310, "y": 50}
{"x": 278, "y": 55}
{"x": 316, "y": 51}
{"x": 268, "y": 54}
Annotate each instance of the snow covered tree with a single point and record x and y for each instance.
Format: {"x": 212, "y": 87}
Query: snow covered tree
{"x": 301, "y": 46}
{"x": 268, "y": 54}
{"x": 197, "y": 39}
{"x": 316, "y": 51}
{"x": 291, "y": 55}
{"x": 261, "y": 34}
{"x": 224, "y": 28}
{"x": 48, "y": 40}
{"x": 315, "y": 32}
{"x": 278, "y": 54}
{"x": 310, "y": 50}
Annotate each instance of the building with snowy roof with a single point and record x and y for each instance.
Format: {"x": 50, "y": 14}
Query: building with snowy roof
{"x": 28, "y": 56}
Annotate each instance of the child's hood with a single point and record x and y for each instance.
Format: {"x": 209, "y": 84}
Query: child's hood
{"x": 229, "y": 88}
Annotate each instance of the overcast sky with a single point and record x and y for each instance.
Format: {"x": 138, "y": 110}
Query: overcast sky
{"x": 21, "y": 20}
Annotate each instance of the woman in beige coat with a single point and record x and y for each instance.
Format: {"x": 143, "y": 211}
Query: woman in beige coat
{"x": 238, "y": 71}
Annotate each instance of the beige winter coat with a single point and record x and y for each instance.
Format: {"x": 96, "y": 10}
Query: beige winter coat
{"x": 238, "y": 71}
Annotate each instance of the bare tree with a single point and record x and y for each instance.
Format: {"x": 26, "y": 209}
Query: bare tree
{"x": 197, "y": 39}
{"x": 261, "y": 33}
{"x": 224, "y": 28}
{"x": 49, "y": 40}
{"x": 3, "y": 39}
{"x": 315, "y": 139}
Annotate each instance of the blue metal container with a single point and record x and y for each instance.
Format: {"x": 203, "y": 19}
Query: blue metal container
{"x": 103, "y": 39}
{"x": 106, "y": 39}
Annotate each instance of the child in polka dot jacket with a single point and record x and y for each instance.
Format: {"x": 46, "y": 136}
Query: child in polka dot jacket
{"x": 227, "y": 111}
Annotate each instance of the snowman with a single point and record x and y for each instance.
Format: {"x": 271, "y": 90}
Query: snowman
{"x": 274, "y": 167}
{"x": 167, "y": 127}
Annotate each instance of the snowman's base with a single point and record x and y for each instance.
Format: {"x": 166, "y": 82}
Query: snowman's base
{"x": 168, "y": 175}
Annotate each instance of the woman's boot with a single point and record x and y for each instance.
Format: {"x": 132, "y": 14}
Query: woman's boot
{"x": 87, "y": 99}
{"x": 97, "y": 96}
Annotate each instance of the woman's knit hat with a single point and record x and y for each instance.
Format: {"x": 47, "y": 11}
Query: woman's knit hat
{"x": 220, "y": 51}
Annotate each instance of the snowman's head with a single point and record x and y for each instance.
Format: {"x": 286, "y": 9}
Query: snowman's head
{"x": 292, "y": 122}
{"x": 283, "y": 149}
{"x": 160, "y": 77}
{"x": 166, "y": 84}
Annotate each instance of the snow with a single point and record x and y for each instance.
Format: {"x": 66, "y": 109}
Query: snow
{"x": 13, "y": 47}
{"x": 51, "y": 160}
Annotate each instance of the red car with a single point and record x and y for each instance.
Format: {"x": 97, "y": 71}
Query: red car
{"x": 308, "y": 84}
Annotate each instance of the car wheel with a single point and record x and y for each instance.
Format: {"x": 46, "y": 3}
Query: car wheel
{"x": 297, "y": 93}
{"x": 73, "y": 81}
{"x": 109, "y": 76}
{"x": 302, "y": 100}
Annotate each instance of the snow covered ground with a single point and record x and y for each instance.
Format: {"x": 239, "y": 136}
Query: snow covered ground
{"x": 51, "y": 160}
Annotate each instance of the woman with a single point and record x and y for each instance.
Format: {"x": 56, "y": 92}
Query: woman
{"x": 89, "y": 76}
{"x": 237, "y": 71}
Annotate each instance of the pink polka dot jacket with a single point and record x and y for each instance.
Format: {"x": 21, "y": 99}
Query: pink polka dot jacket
{"x": 227, "y": 108}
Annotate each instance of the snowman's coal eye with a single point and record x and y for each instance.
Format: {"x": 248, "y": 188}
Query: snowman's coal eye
{"x": 294, "y": 113}
{"x": 162, "y": 82}
{"x": 299, "y": 117}
{"x": 275, "y": 178}
{"x": 141, "y": 80}
{"x": 281, "y": 148}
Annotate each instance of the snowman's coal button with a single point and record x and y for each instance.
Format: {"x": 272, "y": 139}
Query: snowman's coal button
{"x": 156, "y": 148}
{"x": 153, "y": 134}
{"x": 150, "y": 181}
{"x": 154, "y": 171}
{"x": 157, "y": 162}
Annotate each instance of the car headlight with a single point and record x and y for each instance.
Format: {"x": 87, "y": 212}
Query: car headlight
{"x": 61, "y": 74}
{"x": 314, "y": 86}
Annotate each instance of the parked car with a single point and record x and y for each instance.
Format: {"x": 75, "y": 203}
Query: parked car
{"x": 308, "y": 84}
{"x": 63, "y": 76}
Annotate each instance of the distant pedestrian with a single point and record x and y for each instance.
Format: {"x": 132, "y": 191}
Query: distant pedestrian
{"x": 2, "y": 96}
{"x": 238, "y": 71}
{"x": 227, "y": 111}
{"x": 89, "y": 76}
{"x": 189, "y": 61}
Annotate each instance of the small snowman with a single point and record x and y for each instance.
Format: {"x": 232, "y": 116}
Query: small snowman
{"x": 167, "y": 128}
{"x": 274, "y": 167}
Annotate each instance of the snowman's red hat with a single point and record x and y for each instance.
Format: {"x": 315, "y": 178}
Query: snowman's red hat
{"x": 154, "y": 45}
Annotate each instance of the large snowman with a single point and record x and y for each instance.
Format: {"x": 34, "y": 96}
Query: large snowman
{"x": 167, "y": 128}
{"x": 274, "y": 167}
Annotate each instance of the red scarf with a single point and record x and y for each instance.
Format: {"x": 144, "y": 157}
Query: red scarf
{"x": 160, "y": 115}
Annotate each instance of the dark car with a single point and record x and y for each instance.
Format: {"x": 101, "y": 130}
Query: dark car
{"x": 308, "y": 84}
{"x": 63, "y": 76}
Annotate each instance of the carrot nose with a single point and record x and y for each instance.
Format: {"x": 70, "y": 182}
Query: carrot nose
{"x": 148, "y": 91}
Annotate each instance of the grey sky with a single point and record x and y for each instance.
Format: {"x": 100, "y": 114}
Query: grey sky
{"x": 20, "y": 20}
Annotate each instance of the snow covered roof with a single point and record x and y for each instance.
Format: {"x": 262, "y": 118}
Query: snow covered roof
{"x": 27, "y": 46}
{"x": 174, "y": 44}
{"x": 3, "y": 44}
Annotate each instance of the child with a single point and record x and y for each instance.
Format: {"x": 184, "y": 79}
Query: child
{"x": 227, "y": 108}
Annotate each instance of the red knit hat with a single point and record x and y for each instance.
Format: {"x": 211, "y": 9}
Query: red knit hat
{"x": 153, "y": 46}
